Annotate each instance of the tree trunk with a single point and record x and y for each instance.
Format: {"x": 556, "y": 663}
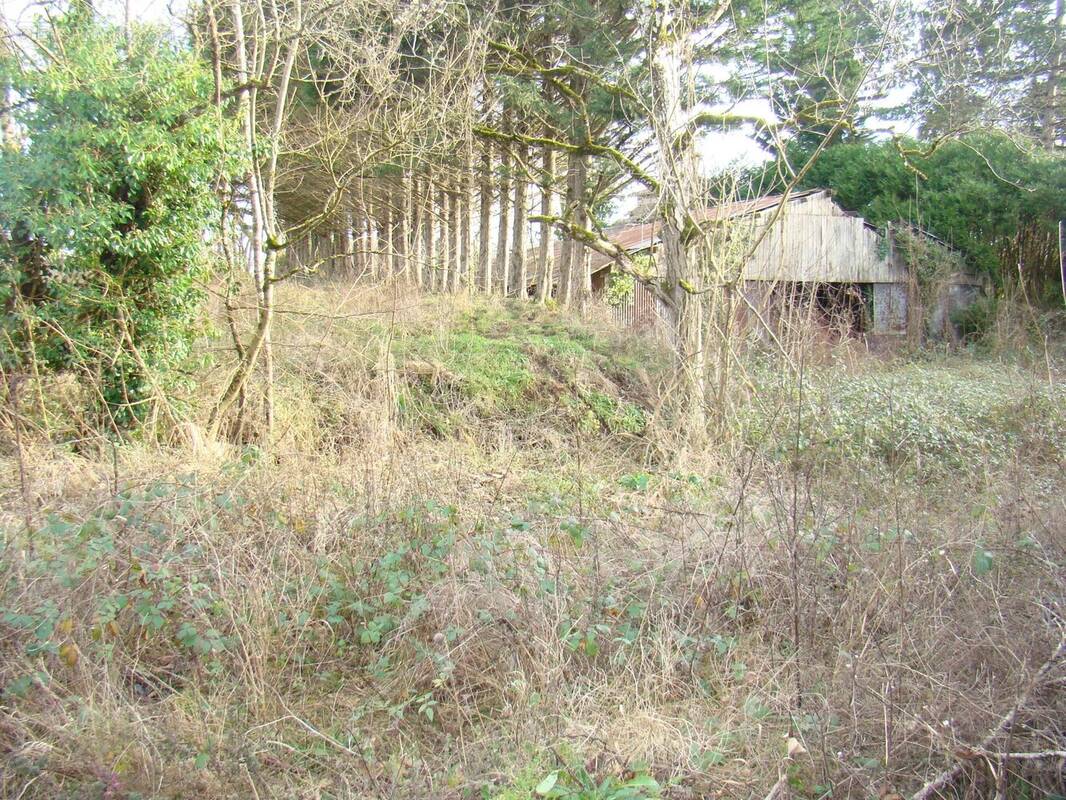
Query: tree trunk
{"x": 444, "y": 243}
{"x": 418, "y": 220}
{"x": 398, "y": 201}
{"x": 373, "y": 256}
{"x": 428, "y": 234}
{"x": 8, "y": 132}
{"x": 385, "y": 236}
{"x": 350, "y": 252}
{"x": 1052, "y": 112}
{"x": 581, "y": 292}
{"x": 270, "y": 175}
{"x": 453, "y": 242}
{"x": 484, "y": 255}
{"x": 261, "y": 182}
{"x": 466, "y": 212}
{"x": 679, "y": 251}
{"x": 545, "y": 249}
{"x": 504, "y": 229}
{"x": 519, "y": 272}
{"x": 567, "y": 255}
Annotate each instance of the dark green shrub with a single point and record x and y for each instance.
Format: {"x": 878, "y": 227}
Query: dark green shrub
{"x": 977, "y": 319}
{"x": 104, "y": 205}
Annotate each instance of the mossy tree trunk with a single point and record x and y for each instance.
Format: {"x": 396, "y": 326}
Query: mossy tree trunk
{"x": 566, "y": 256}
{"x": 581, "y": 293}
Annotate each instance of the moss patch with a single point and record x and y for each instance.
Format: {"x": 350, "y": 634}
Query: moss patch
{"x": 498, "y": 361}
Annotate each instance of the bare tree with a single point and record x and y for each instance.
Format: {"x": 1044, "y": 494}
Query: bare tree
{"x": 261, "y": 183}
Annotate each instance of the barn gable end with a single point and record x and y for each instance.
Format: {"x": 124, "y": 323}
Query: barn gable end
{"x": 811, "y": 251}
{"x": 814, "y": 240}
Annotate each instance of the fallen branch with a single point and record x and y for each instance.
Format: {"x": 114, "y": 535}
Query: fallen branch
{"x": 776, "y": 789}
{"x": 1038, "y": 755}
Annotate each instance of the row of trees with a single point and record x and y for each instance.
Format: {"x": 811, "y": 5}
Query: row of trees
{"x": 425, "y": 172}
{"x": 458, "y": 146}
{"x": 544, "y": 128}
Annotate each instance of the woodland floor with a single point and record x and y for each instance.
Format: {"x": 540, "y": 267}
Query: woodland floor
{"x": 478, "y": 563}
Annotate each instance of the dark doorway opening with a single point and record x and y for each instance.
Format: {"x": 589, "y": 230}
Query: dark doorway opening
{"x": 840, "y": 309}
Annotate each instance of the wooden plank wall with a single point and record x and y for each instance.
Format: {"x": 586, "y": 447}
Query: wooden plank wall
{"x": 814, "y": 240}
{"x": 639, "y": 309}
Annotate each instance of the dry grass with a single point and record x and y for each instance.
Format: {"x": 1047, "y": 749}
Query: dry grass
{"x": 421, "y": 590}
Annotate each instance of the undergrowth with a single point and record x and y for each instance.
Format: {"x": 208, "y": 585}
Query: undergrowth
{"x": 469, "y": 568}
{"x": 926, "y": 418}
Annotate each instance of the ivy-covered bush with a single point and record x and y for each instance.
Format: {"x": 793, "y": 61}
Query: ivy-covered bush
{"x": 104, "y": 205}
{"x": 927, "y": 421}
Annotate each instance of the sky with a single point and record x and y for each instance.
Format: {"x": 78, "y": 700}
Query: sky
{"x": 20, "y": 12}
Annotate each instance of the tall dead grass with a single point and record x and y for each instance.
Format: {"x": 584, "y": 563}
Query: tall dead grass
{"x": 772, "y": 607}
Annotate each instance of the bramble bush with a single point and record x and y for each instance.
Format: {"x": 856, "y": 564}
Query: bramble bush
{"x": 121, "y": 578}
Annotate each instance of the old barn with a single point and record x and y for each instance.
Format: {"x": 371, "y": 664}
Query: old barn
{"x": 817, "y": 262}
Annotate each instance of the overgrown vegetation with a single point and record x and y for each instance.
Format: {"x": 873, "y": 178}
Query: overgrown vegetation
{"x": 487, "y": 365}
{"x": 928, "y": 420}
{"x": 320, "y": 478}
{"x": 520, "y": 602}
{"x": 104, "y": 259}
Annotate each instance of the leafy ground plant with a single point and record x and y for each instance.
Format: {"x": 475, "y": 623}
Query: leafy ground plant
{"x": 577, "y": 784}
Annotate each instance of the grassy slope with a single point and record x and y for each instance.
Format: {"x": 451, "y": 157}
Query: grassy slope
{"x": 471, "y": 561}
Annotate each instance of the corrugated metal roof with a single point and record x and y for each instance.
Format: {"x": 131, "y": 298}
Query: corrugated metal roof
{"x": 741, "y": 208}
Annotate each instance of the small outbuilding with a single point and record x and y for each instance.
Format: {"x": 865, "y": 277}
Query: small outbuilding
{"x": 817, "y": 264}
